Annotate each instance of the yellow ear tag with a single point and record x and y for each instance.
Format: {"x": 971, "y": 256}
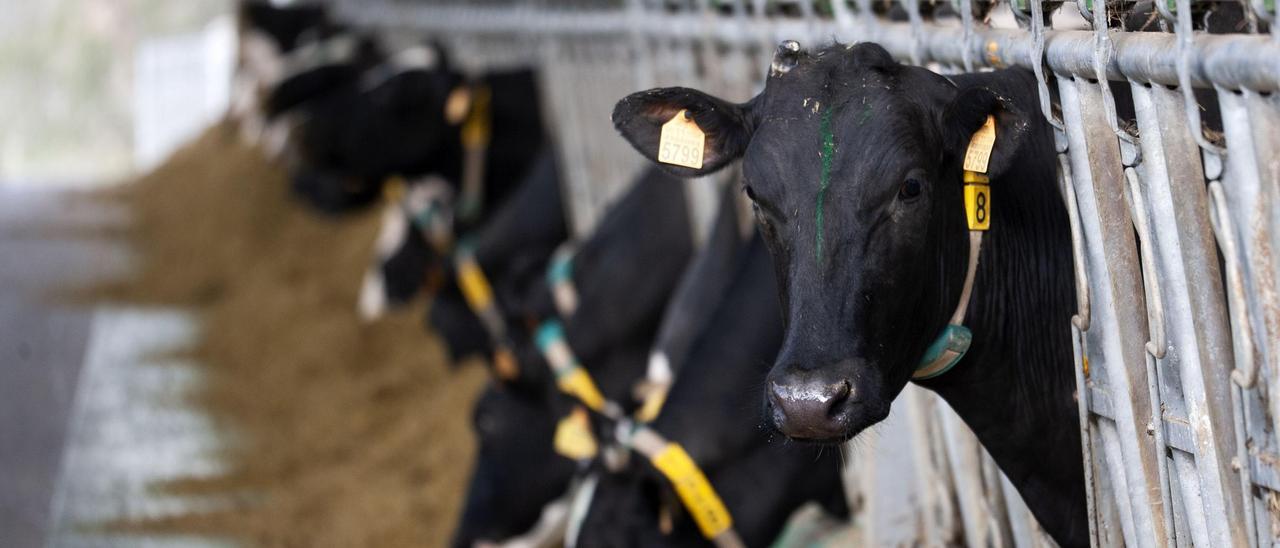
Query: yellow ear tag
{"x": 475, "y": 287}
{"x": 457, "y": 105}
{"x": 573, "y": 437}
{"x": 979, "y": 152}
{"x": 682, "y": 142}
{"x": 694, "y": 490}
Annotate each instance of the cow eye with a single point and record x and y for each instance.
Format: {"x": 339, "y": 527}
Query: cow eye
{"x": 911, "y": 189}
{"x": 751, "y": 194}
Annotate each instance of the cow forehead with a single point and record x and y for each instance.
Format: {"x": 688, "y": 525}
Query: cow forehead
{"x": 857, "y": 134}
{"x": 831, "y": 70}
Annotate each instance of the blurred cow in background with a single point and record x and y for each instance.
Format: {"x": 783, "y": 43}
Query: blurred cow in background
{"x": 267, "y": 34}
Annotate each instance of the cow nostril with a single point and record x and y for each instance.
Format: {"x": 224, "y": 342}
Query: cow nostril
{"x": 839, "y": 396}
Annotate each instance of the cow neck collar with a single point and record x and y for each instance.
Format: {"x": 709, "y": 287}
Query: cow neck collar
{"x": 688, "y": 480}
{"x": 478, "y": 293}
{"x": 476, "y": 134}
{"x": 955, "y": 339}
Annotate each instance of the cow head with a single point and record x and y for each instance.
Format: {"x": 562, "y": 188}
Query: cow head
{"x": 363, "y": 126}
{"x": 517, "y": 472}
{"x": 852, "y": 162}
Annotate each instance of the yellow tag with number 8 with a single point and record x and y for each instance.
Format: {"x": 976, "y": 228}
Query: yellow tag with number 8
{"x": 977, "y": 206}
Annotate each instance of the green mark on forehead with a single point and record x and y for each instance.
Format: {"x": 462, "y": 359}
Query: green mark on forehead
{"x": 828, "y": 150}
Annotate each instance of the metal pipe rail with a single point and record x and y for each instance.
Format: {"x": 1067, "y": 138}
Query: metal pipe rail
{"x": 1234, "y": 61}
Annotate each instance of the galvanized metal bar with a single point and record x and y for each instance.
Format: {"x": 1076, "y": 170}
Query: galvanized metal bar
{"x": 1197, "y": 525}
{"x": 1232, "y": 61}
{"x": 1119, "y": 319}
{"x": 1191, "y": 288}
{"x": 1114, "y": 469}
{"x": 1155, "y": 345}
{"x": 1249, "y": 186}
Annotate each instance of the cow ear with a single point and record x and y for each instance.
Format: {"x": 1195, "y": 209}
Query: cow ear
{"x": 640, "y": 116}
{"x": 968, "y": 111}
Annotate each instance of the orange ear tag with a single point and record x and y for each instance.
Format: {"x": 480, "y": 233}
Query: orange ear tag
{"x": 682, "y": 142}
{"x": 457, "y": 105}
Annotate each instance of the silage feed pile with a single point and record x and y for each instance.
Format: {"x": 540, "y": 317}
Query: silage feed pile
{"x": 341, "y": 434}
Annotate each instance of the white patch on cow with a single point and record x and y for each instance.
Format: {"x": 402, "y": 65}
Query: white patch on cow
{"x": 245, "y": 109}
{"x": 412, "y": 58}
{"x": 659, "y": 371}
{"x": 260, "y": 59}
{"x": 275, "y": 138}
{"x": 373, "y": 295}
{"x": 260, "y": 66}
{"x": 339, "y": 48}
{"x": 392, "y": 233}
{"x": 416, "y": 57}
{"x": 423, "y": 193}
{"x": 549, "y": 529}
{"x": 372, "y": 302}
{"x": 425, "y": 190}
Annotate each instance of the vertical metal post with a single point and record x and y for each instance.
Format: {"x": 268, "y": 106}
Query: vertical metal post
{"x": 1251, "y": 230}
{"x": 1199, "y": 336}
{"x": 1117, "y": 306}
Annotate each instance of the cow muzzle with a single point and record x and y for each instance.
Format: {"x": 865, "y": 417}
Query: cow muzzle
{"x": 812, "y": 406}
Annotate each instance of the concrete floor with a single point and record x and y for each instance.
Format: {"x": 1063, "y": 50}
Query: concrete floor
{"x": 87, "y": 422}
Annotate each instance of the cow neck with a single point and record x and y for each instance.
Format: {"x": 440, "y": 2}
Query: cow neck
{"x": 512, "y": 138}
{"x": 1015, "y": 386}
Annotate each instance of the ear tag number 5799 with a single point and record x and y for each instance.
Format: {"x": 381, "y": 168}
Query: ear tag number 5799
{"x": 682, "y": 142}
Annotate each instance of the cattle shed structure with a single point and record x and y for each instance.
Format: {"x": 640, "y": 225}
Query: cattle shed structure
{"x": 1175, "y": 228}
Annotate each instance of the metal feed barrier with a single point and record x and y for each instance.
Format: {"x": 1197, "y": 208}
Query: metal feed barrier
{"x": 1176, "y": 230}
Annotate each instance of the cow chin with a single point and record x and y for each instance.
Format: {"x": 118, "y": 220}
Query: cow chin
{"x": 826, "y": 405}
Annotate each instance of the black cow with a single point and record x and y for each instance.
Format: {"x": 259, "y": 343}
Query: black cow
{"x": 512, "y": 248}
{"x": 286, "y": 26}
{"x": 409, "y": 123}
{"x": 267, "y": 34}
{"x": 631, "y": 263}
{"x": 701, "y": 289}
{"x": 332, "y": 61}
{"x": 516, "y": 474}
{"x": 853, "y": 162}
{"x": 708, "y": 412}
{"x": 530, "y": 222}
{"x": 624, "y": 275}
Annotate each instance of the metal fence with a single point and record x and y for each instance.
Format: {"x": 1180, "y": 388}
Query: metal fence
{"x": 1176, "y": 230}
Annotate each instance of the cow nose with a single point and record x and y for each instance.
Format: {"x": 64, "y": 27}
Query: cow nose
{"x": 811, "y": 409}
